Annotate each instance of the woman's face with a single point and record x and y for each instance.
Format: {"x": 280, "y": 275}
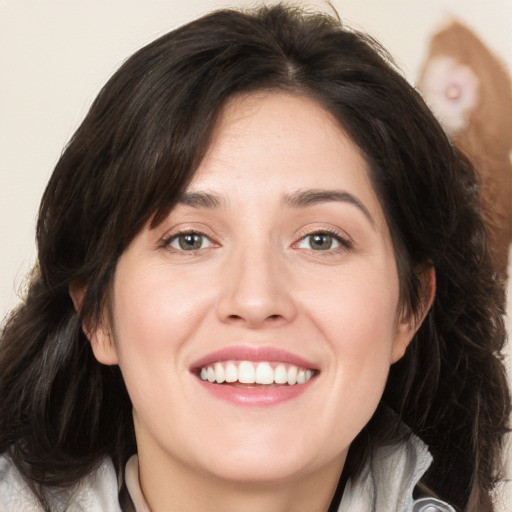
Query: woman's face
{"x": 255, "y": 326}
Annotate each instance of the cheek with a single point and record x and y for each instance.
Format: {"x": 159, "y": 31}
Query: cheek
{"x": 154, "y": 318}
{"x": 357, "y": 319}
{"x": 358, "y": 312}
{"x": 359, "y": 334}
{"x": 156, "y": 311}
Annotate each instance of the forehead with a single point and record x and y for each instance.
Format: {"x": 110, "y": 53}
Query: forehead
{"x": 284, "y": 125}
{"x": 271, "y": 143}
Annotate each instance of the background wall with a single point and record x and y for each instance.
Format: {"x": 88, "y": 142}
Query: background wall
{"x": 56, "y": 54}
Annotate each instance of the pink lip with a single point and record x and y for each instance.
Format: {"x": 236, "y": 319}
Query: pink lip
{"x": 245, "y": 353}
{"x": 253, "y": 396}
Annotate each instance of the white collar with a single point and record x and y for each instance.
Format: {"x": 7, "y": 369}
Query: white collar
{"x": 131, "y": 476}
{"x": 389, "y": 478}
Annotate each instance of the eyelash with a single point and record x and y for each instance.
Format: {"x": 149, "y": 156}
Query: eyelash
{"x": 345, "y": 244}
{"x": 166, "y": 242}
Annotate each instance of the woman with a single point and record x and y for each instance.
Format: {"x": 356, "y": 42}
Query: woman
{"x": 262, "y": 270}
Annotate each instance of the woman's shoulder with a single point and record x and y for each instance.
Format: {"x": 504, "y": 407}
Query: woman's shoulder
{"x": 97, "y": 492}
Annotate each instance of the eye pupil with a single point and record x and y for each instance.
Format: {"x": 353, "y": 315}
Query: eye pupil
{"x": 321, "y": 241}
{"x": 190, "y": 241}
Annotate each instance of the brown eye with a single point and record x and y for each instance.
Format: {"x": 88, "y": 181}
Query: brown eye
{"x": 323, "y": 242}
{"x": 189, "y": 241}
{"x": 320, "y": 241}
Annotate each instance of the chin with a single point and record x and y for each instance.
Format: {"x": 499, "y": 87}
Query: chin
{"x": 269, "y": 461}
{"x": 257, "y": 470}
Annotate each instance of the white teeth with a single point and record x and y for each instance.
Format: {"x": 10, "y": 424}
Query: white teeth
{"x": 246, "y": 373}
{"x": 231, "y": 373}
{"x": 210, "y": 374}
{"x": 263, "y": 373}
{"x": 219, "y": 373}
{"x": 280, "y": 374}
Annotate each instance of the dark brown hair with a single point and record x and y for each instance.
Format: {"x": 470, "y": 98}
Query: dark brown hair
{"x": 61, "y": 412}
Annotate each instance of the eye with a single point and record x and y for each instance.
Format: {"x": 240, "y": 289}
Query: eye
{"x": 322, "y": 242}
{"x": 189, "y": 241}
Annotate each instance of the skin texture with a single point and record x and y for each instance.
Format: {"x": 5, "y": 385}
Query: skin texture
{"x": 257, "y": 282}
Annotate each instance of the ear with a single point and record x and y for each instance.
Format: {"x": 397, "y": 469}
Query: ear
{"x": 99, "y": 336}
{"x": 408, "y": 326}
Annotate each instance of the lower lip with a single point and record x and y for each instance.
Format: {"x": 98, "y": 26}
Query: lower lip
{"x": 263, "y": 396}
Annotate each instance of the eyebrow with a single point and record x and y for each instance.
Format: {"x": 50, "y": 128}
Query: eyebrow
{"x": 305, "y": 198}
{"x": 201, "y": 200}
{"x": 299, "y": 199}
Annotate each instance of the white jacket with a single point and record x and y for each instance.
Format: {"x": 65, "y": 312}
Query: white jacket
{"x": 386, "y": 485}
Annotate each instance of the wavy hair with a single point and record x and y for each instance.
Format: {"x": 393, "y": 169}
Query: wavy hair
{"x": 61, "y": 412}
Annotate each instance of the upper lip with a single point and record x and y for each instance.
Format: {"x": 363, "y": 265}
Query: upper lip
{"x": 255, "y": 354}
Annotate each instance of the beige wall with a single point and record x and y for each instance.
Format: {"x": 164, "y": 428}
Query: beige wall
{"x": 55, "y": 54}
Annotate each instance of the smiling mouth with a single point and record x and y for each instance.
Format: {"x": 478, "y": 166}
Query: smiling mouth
{"x": 255, "y": 374}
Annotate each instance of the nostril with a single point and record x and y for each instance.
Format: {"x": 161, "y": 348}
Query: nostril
{"x": 271, "y": 318}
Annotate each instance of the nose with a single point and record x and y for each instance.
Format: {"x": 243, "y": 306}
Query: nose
{"x": 256, "y": 291}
